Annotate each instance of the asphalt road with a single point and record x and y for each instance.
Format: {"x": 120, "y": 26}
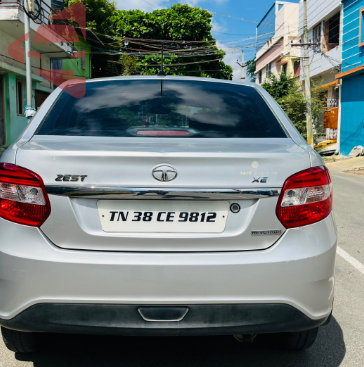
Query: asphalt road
{"x": 341, "y": 343}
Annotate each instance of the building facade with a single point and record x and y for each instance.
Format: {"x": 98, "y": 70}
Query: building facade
{"x": 275, "y": 34}
{"x": 324, "y": 23}
{"x": 352, "y": 76}
{"x": 12, "y": 72}
{"x": 81, "y": 65}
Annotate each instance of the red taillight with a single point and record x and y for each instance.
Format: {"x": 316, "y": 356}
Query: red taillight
{"x": 306, "y": 198}
{"x": 23, "y": 198}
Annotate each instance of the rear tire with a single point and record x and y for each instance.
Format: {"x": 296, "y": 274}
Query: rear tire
{"x": 299, "y": 340}
{"x": 21, "y": 342}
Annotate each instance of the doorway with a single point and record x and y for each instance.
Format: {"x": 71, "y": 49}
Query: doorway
{"x": 40, "y": 97}
{"x": 2, "y": 112}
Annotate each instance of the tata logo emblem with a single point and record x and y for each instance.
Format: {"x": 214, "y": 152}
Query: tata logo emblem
{"x": 260, "y": 179}
{"x": 164, "y": 172}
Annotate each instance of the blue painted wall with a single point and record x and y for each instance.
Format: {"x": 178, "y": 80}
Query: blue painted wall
{"x": 352, "y": 54}
{"x": 352, "y": 91}
{"x": 352, "y": 113}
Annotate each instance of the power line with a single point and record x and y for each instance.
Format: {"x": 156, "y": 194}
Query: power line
{"x": 171, "y": 65}
{"x": 238, "y": 18}
{"x": 150, "y": 4}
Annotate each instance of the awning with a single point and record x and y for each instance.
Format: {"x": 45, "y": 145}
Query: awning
{"x": 327, "y": 85}
{"x": 350, "y": 72}
{"x": 283, "y": 60}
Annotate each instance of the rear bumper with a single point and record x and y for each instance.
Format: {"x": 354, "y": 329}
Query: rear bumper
{"x": 223, "y": 319}
{"x": 298, "y": 271}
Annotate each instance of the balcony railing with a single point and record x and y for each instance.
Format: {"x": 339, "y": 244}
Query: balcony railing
{"x": 332, "y": 101}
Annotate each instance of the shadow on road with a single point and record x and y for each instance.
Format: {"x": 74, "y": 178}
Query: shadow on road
{"x": 92, "y": 351}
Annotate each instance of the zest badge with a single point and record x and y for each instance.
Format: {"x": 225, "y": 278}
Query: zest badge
{"x": 71, "y": 178}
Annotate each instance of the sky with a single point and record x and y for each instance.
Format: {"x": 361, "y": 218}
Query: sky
{"x": 231, "y": 33}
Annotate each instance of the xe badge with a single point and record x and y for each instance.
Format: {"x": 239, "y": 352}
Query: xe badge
{"x": 260, "y": 179}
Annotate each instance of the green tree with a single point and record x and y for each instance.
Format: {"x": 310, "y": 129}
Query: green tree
{"x": 98, "y": 13}
{"x": 130, "y": 65}
{"x": 251, "y": 67}
{"x": 286, "y": 91}
{"x": 180, "y": 22}
{"x": 98, "y": 19}
{"x": 278, "y": 87}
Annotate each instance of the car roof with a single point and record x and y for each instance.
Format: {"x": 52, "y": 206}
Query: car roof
{"x": 171, "y": 77}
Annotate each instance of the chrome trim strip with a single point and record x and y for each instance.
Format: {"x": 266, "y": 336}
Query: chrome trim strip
{"x": 126, "y": 193}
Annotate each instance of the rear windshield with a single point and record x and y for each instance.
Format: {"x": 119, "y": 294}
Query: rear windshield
{"x": 163, "y": 108}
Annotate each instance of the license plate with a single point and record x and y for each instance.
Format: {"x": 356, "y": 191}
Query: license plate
{"x": 129, "y": 216}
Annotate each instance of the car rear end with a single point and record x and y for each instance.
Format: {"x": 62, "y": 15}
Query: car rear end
{"x": 164, "y": 206}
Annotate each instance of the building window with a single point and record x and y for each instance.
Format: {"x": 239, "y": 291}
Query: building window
{"x": 331, "y": 33}
{"x": 284, "y": 69}
{"x": 57, "y": 64}
{"x": 316, "y": 34}
{"x": 19, "y": 98}
{"x": 260, "y": 77}
{"x": 268, "y": 69}
{"x": 297, "y": 68}
{"x": 334, "y": 29}
{"x": 361, "y": 28}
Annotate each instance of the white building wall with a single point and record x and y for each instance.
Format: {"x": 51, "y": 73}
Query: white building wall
{"x": 12, "y": 28}
{"x": 285, "y": 26}
{"x": 318, "y": 10}
{"x": 286, "y": 20}
{"x": 322, "y": 63}
{"x": 329, "y": 62}
{"x": 44, "y": 63}
{"x": 279, "y": 46}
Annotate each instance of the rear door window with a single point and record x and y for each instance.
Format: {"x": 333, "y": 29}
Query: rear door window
{"x": 163, "y": 108}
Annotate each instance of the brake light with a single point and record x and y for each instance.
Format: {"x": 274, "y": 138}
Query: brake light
{"x": 163, "y": 133}
{"x": 23, "y": 198}
{"x": 306, "y": 198}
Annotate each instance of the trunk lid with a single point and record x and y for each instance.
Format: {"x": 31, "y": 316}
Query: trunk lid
{"x": 124, "y": 164}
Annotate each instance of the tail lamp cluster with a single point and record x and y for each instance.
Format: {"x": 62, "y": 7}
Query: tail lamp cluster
{"x": 306, "y": 198}
{"x": 23, "y": 198}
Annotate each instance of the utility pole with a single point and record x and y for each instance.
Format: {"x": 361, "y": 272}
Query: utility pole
{"x": 306, "y": 62}
{"x": 242, "y": 65}
{"x": 29, "y": 110}
{"x": 161, "y": 72}
{"x": 243, "y": 68}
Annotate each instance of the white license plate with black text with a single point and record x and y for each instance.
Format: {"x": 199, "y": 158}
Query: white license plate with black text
{"x": 163, "y": 216}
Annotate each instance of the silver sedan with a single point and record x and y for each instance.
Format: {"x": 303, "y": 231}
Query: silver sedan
{"x": 164, "y": 206}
